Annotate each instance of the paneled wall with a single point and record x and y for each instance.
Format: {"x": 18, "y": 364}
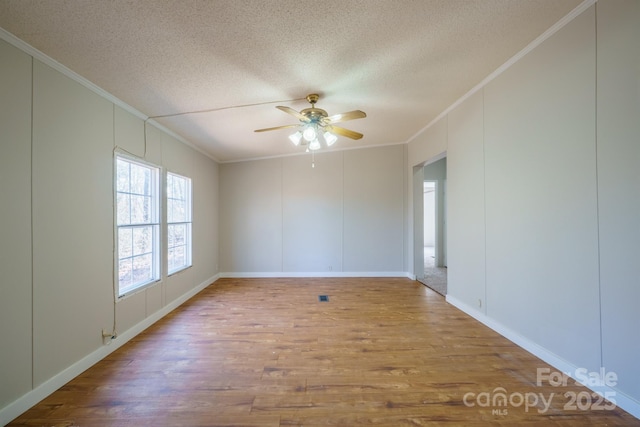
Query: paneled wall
{"x": 72, "y": 214}
{"x": 466, "y": 204}
{"x": 15, "y": 224}
{"x": 618, "y": 154}
{"x": 251, "y": 211}
{"x": 312, "y": 207}
{"x": 543, "y": 179}
{"x": 543, "y": 208}
{"x": 57, "y": 227}
{"x": 540, "y": 194}
{"x": 345, "y": 215}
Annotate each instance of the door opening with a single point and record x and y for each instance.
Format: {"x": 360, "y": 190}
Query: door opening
{"x": 434, "y": 227}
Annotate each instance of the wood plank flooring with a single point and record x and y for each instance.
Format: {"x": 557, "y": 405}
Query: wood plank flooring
{"x": 267, "y": 352}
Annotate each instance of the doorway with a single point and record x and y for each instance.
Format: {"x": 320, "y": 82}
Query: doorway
{"x": 434, "y": 236}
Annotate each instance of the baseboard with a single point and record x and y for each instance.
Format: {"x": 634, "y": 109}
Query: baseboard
{"x": 276, "y": 274}
{"x": 22, "y": 404}
{"x": 622, "y": 400}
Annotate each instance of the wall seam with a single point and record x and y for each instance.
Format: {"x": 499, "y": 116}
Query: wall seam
{"x": 282, "y": 215}
{"x": 32, "y": 243}
{"x": 484, "y": 197}
{"x": 343, "y": 215}
{"x": 595, "y": 121}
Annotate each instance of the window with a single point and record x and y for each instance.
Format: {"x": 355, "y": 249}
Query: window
{"x": 178, "y": 222}
{"x": 137, "y": 223}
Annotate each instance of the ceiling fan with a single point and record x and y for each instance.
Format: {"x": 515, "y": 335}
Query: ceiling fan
{"x": 316, "y": 126}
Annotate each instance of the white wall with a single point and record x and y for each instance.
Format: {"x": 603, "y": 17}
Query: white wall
{"x": 57, "y": 246}
{"x": 618, "y": 151}
{"x": 312, "y": 213}
{"x": 540, "y": 194}
{"x": 345, "y": 215}
{"x": 15, "y": 224}
{"x": 466, "y": 203}
{"x": 251, "y": 216}
{"x": 543, "y": 197}
{"x": 72, "y": 221}
{"x": 373, "y": 239}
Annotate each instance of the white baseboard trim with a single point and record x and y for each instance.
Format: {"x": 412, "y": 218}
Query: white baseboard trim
{"x": 622, "y": 400}
{"x": 22, "y": 404}
{"x": 282, "y": 274}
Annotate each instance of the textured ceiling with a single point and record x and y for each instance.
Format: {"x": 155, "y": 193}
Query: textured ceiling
{"x": 401, "y": 61}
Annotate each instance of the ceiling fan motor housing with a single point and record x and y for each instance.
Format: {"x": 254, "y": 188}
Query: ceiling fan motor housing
{"x": 314, "y": 114}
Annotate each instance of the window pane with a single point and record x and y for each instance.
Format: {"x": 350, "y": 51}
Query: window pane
{"x": 142, "y": 269}
{"x": 180, "y": 234}
{"x": 140, "y": 179}
{"x": 176, "y": 234}
{"x": 124, "y": 243}
{"x": 122, "y": 176}
{"x": 177, "y": 258}
{"x": 169, "y": 186}
{"x": 140, "y": 209}
{"x": 142, "y": 240}
{"x": 170, "y": 203}
{"x": 179, "y": 188}
{"x": 171, "y": 235}
{"x": 178, "y": 222}
{"x": 171, "y": 261}
{"x": 125, "y": 267}
{"x": 124, "y": 209}
{"x": 137, "y": 203}
{"x": 178, "y": 211}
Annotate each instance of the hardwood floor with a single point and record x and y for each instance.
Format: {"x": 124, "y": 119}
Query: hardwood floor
{"x": 267, "y": 352}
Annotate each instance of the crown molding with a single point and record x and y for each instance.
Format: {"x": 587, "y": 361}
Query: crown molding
{"x": 47, "y": 60}
{"x": 511, "y": 61}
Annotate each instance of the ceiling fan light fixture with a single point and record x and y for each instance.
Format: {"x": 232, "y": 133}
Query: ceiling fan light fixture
{"x": 314, "y": 145}
{"x": 296, "y": 138}
{"x": 309, "y": 133}
{"x": 330, "y": 138}
{"x": 316, "y": 128}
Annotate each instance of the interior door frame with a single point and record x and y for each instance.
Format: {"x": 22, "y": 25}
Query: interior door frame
{"x": 418, "y": 216}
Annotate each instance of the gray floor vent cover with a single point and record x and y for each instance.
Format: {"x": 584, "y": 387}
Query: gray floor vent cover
{"x": 323, "y": 298}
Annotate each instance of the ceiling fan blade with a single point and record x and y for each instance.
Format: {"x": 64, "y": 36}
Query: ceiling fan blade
{"x": 351, "y": 115}
{"x": 344, "y": 132}
{"x": 276, "y": 128}
{"x": 294, "y": 113}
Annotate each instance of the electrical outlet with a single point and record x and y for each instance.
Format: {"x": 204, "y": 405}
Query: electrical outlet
{"x": 109, "y": 335}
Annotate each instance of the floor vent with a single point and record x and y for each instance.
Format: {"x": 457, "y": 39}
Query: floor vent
{"x": 323, "y": 298}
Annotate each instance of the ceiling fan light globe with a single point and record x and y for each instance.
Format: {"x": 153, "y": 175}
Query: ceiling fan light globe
{"x": 314, "y": 145}
{"x": 309, "y": 133}
{"x": 295, "y": 138}
{"x": 330, "y": 138}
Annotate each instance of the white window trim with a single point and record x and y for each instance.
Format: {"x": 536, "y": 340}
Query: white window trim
{"x": 118, "y": 154}
{"x": 189, "y": 223}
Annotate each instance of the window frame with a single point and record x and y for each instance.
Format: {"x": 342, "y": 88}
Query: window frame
{"x": 155, "y": 223}
{"x": 187, "y": 222}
